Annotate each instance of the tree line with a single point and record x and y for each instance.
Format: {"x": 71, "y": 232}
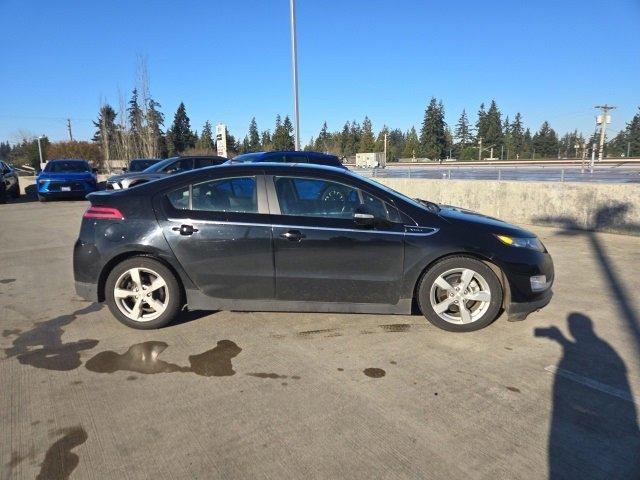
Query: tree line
{"x": 137, "y": 130}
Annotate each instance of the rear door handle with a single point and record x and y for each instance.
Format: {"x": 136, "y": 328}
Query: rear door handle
{"x": 185, "y": 229}
{"x": 293, "y": 235}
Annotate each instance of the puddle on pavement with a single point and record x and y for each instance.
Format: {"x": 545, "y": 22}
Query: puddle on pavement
{"x": 267, "y": 375}
{"x": 7, "y": 280}
{"x": 393, "y": 362}
{"x": 396, "y": 327}
{"x": 144, "y": 358}
{"x": 42, "y": 346}
{"x": 374, "y": 372}
{"x": 60, "y": 461}
{"x": 513, "y": 389}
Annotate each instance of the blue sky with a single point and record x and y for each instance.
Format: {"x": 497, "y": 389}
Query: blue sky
{"x": 230, "y": 60}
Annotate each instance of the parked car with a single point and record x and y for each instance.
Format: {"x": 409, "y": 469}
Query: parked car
{"x": 161, "y": 169}
{"x": 280, "y": 237}
{"x": 140, "y": 164}
{"x": 66, "y": 178}
{"x": 284, "y": 156}
{"x": 9, "y": 185}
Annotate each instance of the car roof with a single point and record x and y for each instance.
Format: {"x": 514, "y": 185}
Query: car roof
{"x": 67, "y": 160}
{"x": 288, "y": 152}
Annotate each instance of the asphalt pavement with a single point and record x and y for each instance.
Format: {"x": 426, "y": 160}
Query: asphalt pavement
{"x": 290, "y": 395}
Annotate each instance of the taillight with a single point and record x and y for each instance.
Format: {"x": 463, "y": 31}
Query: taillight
{"x": 107, "y": 213}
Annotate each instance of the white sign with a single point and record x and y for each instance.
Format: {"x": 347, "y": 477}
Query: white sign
{"x": 221, "y": 139}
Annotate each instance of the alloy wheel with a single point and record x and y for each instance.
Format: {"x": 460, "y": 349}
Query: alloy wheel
{"x": 141, "y": 294}
{"x": 460, "y": 296}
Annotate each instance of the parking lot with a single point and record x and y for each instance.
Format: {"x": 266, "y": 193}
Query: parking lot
{"x": 290, "y": 395}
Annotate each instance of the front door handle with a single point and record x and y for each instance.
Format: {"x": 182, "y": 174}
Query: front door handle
{"x": 185, "y": 229}
{"x": 293, "y": 235}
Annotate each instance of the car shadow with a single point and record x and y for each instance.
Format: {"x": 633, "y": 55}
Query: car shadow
{"x": 187, "y": 316}
{"x": 594, "y": 429}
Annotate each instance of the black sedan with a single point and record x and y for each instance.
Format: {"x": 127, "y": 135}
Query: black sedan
{"x": 278, "y": 237}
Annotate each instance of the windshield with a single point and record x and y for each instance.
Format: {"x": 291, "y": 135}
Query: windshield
{"x": 67, "y": 166}
{"x": 247, "y": 157}
{"x": 156, "y": 167}
{"x": 141, "y": 164}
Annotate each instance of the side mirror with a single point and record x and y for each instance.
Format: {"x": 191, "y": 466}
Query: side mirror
{"x": 363, "y": 218}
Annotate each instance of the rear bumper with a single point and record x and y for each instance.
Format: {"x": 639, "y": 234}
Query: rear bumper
{"x": 87, "y": 291}
{"x": 520, "y": 310}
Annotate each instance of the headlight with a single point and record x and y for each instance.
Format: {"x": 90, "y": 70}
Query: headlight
{"x": 531, "y": 243}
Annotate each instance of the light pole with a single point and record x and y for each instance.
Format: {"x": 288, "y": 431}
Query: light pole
{"x": 294, "y": 73}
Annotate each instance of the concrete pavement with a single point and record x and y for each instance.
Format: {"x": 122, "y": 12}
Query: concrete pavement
{"x": 275, "y": 395}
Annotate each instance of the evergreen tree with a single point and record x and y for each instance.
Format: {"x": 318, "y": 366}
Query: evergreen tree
{"x": 633, "y": 135}
{"x": 367, "y": 142}
{"x": 463, "y": 131}
{"x": 155, "y": 122}
{"x": 106, "y": 121}
{"x": 545, "y": 142}
{"x": 5, "y": 150}
{"x": 283, "y": 135}
{"x": 135, "y": 117}
{"x": 527, "y": 145}
{"x": 355, "y": 134}
{"x": 344, "y": 140}
{"x": 265, "y": 140}
{"x": 433, "y": 142}
{"x": 412, "y": 145}
{"x": 206, "y": 142}
{"x": 253, "y": 142}
{"x": 322, "y": 142}
{"x": 492, "y": 127}
{"x": 180, "y": 137}
{"x": 481, "y": 126}
{"x": 517, "y": 137}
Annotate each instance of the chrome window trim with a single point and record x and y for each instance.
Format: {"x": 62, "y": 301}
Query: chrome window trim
{"x": 432, "y": 230}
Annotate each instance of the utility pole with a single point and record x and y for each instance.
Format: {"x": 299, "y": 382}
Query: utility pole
{"x": 294, "y": 73}
{"x": 69, "y": 128}
{"x": 628, "y": 148}
{"x": 480, "y": 149}
{"x": 603, "y": 119}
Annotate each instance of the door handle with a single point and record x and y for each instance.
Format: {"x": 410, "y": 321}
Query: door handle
{"x": 293, "y": 235}
{"x": 185, "y": 229}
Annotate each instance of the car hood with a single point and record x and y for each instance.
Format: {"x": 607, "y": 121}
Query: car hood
{"x": 135, "y": 175}
{"x": 66, "y": 176}
{"x": 479, "y": 222}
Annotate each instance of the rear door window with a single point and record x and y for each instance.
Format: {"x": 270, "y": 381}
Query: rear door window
{"x": 178, "y": 166}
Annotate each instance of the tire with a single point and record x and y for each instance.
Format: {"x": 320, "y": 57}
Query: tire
{"x": 441, "y": 294}
{"x": 15, "y": 193}
{"x": 42, "y": 199}
{"x": 130, "y": 306}
{"x": 3, "y": 192}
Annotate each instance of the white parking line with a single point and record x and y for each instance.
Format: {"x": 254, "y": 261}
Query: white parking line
{"x": 603, "y": 387}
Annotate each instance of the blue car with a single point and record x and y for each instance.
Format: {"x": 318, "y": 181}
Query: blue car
{"x": 66, "y": 179}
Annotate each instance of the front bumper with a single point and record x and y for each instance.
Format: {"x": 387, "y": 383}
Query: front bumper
{"x": 57, "y": 188}
{"x": 517, "y": 311}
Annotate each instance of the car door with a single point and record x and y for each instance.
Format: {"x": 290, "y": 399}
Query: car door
{"x": 219, "y": 231}
{"x": 320, "y": 252}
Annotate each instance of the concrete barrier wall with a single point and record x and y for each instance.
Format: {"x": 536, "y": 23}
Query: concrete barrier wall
{"x": 613, "y": 208}
{"x": 610, "y": 207}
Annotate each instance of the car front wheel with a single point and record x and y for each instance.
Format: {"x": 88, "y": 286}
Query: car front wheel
{"x": 460, "y": 294}
{"x": 142, "y": 293}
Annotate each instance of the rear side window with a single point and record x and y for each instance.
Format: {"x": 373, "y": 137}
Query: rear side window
{"x": 237, "y": 195}
{"x": 295, "y": 158}
{"x": 328, "y": 160}
{"x": 179, "y": 166}
{"x": 204, "y": 162}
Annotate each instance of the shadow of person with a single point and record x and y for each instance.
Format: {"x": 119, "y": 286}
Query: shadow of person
{"x": 594, "y": 430}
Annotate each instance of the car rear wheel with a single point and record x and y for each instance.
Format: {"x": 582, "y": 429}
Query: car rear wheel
{"x": 142, "y": 293}
{"x": 460, "y": 294}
